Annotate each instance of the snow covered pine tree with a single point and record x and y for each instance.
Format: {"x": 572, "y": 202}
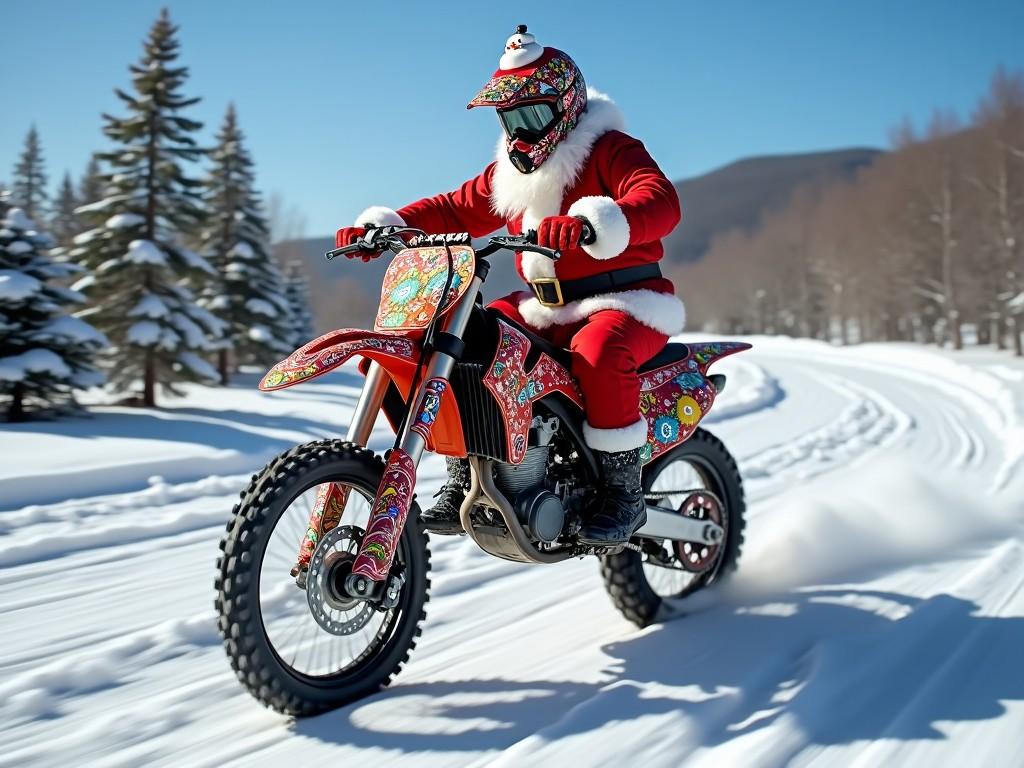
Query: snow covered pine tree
{"x": 300, "y": 317}
{"x": 90, "y": 188}
{"x": 28, "y": 188}
{"x": 65, "y": 225}
{"x": 250, "y": 298}
{"x": 137, "y": 290}
{"x": 45, "y": 354}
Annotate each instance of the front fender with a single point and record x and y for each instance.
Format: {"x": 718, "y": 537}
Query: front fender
{"x": 331, "y": 350}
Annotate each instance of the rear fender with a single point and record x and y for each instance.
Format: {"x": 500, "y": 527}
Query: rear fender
{"x": 675, "y": 397}
{"x": 713, "y": 351}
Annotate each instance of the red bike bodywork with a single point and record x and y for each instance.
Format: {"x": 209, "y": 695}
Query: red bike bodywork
{"x": 674, "y": 396}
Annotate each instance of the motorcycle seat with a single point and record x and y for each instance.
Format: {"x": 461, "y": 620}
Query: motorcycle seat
{"x": 672, "y": 353}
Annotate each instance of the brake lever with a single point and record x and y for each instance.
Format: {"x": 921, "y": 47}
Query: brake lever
{"x": 374, "y": 240}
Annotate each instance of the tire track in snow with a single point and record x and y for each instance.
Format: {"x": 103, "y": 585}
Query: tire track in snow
{"x": 869, "y": 423}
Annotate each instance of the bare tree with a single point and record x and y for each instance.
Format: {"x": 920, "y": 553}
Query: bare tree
{"x": 999, "y": 174}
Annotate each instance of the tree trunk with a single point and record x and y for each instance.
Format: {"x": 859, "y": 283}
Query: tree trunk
{"x": 1015, "y": 332}
{"x": 149, "y": 382}
{"x": 224, "y": 367}
{"x": 17, "y": 409}
{"x": 955, "y": 332}
{"x": 997, "y": 332}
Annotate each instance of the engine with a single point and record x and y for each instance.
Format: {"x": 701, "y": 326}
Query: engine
{"x": 540, "y": 510}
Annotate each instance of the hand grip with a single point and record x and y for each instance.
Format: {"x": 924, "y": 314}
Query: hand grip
{"x": 588, "y": 236}
{"x": 530, "y": 236}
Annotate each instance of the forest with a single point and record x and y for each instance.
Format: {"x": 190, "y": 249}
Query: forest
{"x": 924, "y": 245}
{"x": 154, "y": 269}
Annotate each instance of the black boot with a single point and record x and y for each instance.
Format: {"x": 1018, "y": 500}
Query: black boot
{"x": 443, "y": 517}
{"x": 622, "y": 508}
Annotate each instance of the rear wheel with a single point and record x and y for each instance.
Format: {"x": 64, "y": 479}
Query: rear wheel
{"x": 305, "y": 651}
{"x": 641, "y": 583}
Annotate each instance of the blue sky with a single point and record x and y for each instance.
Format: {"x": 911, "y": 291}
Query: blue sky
{"x": 346, "y": 105}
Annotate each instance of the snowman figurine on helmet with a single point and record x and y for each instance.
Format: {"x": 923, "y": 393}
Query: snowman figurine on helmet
{"x": 564, "y": 160}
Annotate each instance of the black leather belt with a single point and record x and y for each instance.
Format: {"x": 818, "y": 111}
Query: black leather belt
{"x": 552, "y": 292}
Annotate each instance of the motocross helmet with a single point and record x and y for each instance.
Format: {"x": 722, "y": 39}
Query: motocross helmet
{"x": 539, "y": 94}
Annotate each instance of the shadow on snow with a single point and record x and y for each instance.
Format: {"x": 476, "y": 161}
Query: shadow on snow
{"x": 842, "y": 673}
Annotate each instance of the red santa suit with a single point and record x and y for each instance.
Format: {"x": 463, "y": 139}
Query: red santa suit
{"x": 601, "y": 173}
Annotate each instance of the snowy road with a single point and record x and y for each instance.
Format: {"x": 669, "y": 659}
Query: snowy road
{"x": 877, "y": 617}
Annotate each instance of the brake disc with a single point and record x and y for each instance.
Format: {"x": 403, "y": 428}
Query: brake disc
{"x": 335, "y": 611}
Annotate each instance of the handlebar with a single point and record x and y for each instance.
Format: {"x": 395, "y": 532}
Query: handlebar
{"x": 380, "y": 239}
{"x": 375, "y": 240}
{"x": 524, "y": 242}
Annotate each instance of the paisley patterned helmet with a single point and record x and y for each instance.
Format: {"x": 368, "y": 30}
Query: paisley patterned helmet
{"x": 539, "y": 94}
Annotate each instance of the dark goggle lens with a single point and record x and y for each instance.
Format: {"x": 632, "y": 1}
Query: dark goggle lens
{"x": 529, "y": 122}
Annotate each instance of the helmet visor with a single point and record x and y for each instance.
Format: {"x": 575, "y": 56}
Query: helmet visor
{"x": 529, "y": 122}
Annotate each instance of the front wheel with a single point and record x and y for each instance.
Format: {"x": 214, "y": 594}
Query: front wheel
{"x": 641, "y": 583}
{"x": 305, "y": 651}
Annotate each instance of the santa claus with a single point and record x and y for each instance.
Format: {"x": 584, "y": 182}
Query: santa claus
{"x": 565, "y": 161}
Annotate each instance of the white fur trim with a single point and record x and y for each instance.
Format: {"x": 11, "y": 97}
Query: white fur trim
{"x": 379, "y": 216}
{"x": 664, "y": 312}
{"x": 539, "y": 194}
{"x": 615, "y": 440}
{"x": 609, "y": 223}
{"x": 536, "y": 266}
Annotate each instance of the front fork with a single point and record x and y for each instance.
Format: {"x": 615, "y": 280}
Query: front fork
{"x": 331, "y": 498}
{"x": 395, "y": 493}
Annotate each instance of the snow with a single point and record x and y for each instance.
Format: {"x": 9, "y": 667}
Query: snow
{"x": 19, "y": 248}
{"x": 73, "y": 329}
{"x": 260, "y": 334}
{"x": 876, "y": 619}
{"x": 195, "y": 261}
{"x": 17, "y": 219}
{"x": 151, "y": 306}
{"x": 125, "y": 221}
{"x": 242, "y": 250}
{"x": 261, "y": 307}
{"x": 145, "y": 252}
{"x": 17, "y": 286}
{"x": 18, "y": 367}
{"x": 145, "y": 333}
{"x": 189, "y": 331}
{"x": 213, "y": 323}
{"x": 87, "y": 237}
{"x": 84, "y": 284}
{"x": 198, "y": 366}
{"x": 101, "y": 205}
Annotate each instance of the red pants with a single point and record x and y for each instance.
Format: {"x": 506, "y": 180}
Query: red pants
{"x": 607, "y": 349}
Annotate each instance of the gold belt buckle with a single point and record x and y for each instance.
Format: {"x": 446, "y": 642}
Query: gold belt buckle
{"x": 544, "y": 297}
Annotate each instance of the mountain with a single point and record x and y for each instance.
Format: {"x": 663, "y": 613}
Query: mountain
{"x": 736, "y": 196}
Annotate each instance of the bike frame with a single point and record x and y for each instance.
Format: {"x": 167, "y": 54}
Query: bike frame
{"x": 674, "y": 398}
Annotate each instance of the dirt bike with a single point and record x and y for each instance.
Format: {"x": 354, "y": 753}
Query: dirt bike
{"x": 313, "y": 629}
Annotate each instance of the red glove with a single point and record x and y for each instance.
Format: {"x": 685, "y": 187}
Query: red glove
{"x": 560, "y": 232}
{"x": 347, "y": 236}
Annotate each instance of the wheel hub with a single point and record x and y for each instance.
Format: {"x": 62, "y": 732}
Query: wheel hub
{"x": 695, "y": 556}
{"x": 333, "y": 608}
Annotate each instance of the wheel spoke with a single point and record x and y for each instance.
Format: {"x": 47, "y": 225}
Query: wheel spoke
{"x": 293, "y": 632}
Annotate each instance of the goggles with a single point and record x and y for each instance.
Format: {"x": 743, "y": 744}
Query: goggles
{"x": 530, "y": 122}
